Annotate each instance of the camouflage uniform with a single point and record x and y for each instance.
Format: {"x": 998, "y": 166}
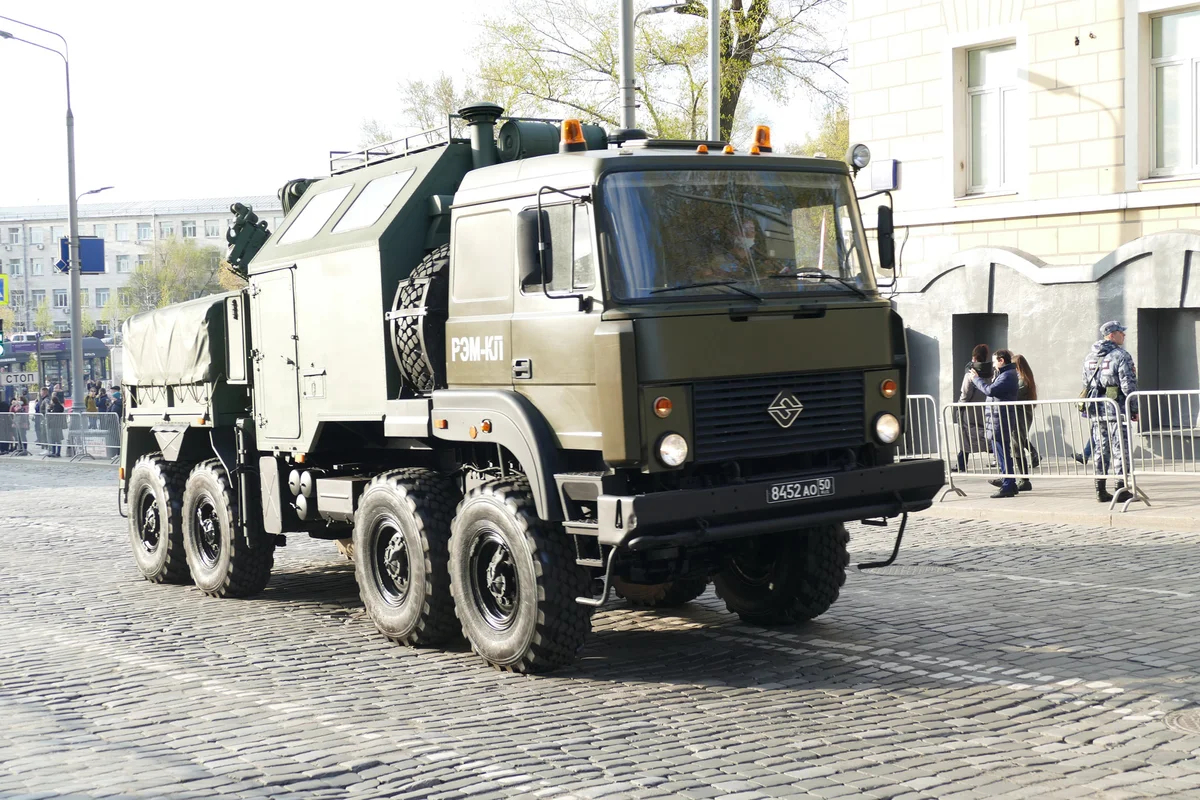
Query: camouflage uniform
{"x": 1116, "y": 370}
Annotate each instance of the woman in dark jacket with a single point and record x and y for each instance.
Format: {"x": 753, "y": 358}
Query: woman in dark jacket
{"x": 1001, "y": 422}
{"x": 972, "y": 438}
{"x": 56, "y": 425}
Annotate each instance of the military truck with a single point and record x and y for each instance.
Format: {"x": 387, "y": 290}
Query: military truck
{"x": 517, "y": 370}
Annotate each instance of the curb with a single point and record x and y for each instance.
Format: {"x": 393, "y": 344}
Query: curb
{"x": 1141, "y": 519}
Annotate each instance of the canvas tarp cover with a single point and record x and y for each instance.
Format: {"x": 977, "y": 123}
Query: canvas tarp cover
{"x": 177, "y": 345}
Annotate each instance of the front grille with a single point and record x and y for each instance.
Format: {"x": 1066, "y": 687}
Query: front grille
{"x": 732, "y": 420}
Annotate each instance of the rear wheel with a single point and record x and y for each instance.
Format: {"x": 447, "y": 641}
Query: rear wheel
{"x": 401, "y": 539}
{"x": 785, "y": 577}
{"x": 155, "y": 531}
{"x": 515, "y": 580}
{"x": 221, "y": 561}
{"x": 671, "y": 594}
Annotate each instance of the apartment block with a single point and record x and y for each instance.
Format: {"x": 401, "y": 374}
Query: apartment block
{"x": 30, "y": 246}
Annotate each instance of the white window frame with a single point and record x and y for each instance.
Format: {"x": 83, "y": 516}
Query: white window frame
{"x": 101, "y": 298}
{"x": 61, "y": 295}
{"x": 35, "y": 267}
{"x": 37, "y": 297}
{"x": 149, "y": 231}
{"x": 123, "y": 260}
{"x": 213, "y": 225}
{"x": 1000, "y": 91}
{"x": 14, "y": 236}
{"x": 185, "y": 226}
{"x": 121, "y": 231}
{"x": 166, "y": 230}
{"x": 1190, "y": 62}
{"x": 956, "y": 109}
{"x": 18, "y": 298}
{"x": 37, "y": 235}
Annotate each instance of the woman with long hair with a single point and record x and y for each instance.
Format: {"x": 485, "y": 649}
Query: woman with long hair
{"x": 1026, "y": 390}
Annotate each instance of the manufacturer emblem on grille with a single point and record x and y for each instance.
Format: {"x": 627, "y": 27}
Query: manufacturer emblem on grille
{"x": 785, "y": 408}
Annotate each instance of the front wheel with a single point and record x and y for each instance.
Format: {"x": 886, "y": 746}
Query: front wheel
{"x": 222, "y": 563}
{"x": 515, "y": 580}
{"x": 787, "y": 577}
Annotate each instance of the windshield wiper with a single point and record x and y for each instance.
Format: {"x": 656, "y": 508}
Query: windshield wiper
{"x": 822, "y": 277}
{"x": 698, "y": 284}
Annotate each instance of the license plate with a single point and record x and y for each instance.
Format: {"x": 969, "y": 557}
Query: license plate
{"x": 791, "y": 491}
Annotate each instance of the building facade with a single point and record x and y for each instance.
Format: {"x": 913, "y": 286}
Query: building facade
{"x": 30, "y": 246}
{"x": 1049, "y": 178}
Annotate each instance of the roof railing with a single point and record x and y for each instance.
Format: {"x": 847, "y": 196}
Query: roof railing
{"x": 343, "y": 161}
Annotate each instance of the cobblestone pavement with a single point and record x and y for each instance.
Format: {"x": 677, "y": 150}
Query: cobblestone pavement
{"x": 1001, "y": 660}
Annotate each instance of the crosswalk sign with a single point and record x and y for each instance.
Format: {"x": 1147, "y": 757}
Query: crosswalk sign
{"x": 3, "y": 290}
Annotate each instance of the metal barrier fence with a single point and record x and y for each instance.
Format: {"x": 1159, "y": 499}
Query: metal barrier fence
{"x": 1163, "y": 431}
{"x": 921, "y": 435}
{"x": 72, "y": 436}
{"x": 1079, "y": 439}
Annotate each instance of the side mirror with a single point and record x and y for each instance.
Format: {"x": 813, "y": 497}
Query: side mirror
{"x": 529, "y": 258}
{"x": 885, "y": 233}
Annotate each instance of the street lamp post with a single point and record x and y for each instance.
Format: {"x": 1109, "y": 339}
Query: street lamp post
{"x": 625, "y": 30}
{"x": 72, "y": 216}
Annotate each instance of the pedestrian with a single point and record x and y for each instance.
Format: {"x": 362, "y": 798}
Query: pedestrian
{"x": 1026, "y": 391}
{"x": 89, "y": 405}
{"x": 20, "y": 417}
{"x": 1000, "y": 420}
{"x": 6, "y": 424}
{"x": 102, "y": 400}
{"x": 971, "y": 426}
{"x": 1109, "y": 372}
{"x": 41, "y": 409}
{"x": 115, "y": 407}
{"x": 55, "y": 425}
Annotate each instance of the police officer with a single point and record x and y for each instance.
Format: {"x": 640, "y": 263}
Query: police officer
{"x": 1108, "y": 371}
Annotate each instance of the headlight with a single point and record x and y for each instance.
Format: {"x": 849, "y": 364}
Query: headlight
{"x": 672, "y": 450}
{"x": 859, "y": 156}
{"x": 887, "y": 428}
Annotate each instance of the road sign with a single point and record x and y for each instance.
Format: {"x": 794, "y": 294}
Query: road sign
{"x": 91, "y": 254}
{"x": 3, "y": 290}
{"x": 19, "y": 379}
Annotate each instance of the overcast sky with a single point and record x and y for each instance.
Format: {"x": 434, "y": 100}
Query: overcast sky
{"x": 210, "y": 99}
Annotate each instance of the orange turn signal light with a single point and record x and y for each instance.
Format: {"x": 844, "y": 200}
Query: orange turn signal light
{"x": 486, "y": 426}
{"x": 889, "y": 388}
{"x": 762, "y": 136}
{"x": 572, "y": 132}
{"x": 701, "y": 148}
{"x": 121, "y": 474}
{"x": 301, "y": 458}
{"x": 662, "y": 407}
{"x": 441, "y": 424}
{"x": 754, "y": 150}
{"x": 472, "y": 431}
{"x": 729, "y": 150}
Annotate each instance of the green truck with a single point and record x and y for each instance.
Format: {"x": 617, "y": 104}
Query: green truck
{"x": 514, "y": 371}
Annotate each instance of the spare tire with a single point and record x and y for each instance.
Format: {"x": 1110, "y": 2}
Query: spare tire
{"x": 418, "y": 319}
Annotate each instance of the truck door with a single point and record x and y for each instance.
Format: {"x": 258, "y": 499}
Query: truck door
{"x": 479, "y": 331}
{"x": 276, "y": 380}
{"x": 553, "y": 339}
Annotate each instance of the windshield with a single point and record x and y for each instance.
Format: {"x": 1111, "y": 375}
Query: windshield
{"x": 693, "y": 234}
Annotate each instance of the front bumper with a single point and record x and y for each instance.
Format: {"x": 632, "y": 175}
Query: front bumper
{"x": 696, "y": 516}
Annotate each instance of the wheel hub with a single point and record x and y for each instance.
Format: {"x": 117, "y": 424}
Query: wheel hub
{"x": 148, "y": 529}
{"x": 392, "y": 567}
{"x": 395, "y": 560}
{"x": 209, "y": 540}
{"x": 494, "y": 582}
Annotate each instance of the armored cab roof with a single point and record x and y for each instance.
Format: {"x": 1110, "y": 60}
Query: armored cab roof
{"x": 585, "y": 168}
